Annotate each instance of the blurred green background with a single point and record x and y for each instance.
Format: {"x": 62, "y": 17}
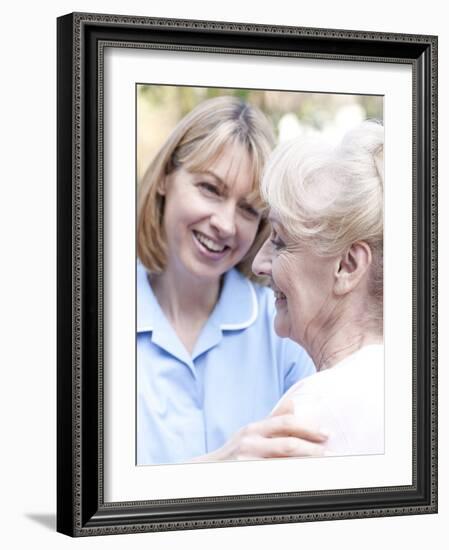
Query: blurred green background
{"x": 159, "y": 109}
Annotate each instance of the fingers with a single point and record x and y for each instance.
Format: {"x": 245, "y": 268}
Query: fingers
{"x": 286, "y": 425}
{"x": 279, "y": 447}
{"x": 274, "y": 437}
{"x": 288, "y": 447}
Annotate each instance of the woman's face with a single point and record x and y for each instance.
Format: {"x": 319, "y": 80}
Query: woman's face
{"x": 209, "y": 222}
{"x": 302, "y": 283}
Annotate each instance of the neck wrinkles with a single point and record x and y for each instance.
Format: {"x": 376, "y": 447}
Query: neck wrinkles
{"x": 345, "y": 331}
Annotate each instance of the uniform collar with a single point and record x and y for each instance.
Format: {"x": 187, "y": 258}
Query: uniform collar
{"x": 237, "y": 307}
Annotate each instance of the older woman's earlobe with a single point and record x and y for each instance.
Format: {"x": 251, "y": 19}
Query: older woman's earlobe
{"x": 353, "y": 267}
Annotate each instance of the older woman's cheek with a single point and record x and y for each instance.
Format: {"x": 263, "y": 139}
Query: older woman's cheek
{"x": 281, "y": 276}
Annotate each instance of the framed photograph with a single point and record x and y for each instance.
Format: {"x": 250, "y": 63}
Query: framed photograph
{"x": 199, "y": 164}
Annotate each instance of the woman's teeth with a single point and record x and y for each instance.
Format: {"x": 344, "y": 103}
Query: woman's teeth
{"x": 209, "y": 243}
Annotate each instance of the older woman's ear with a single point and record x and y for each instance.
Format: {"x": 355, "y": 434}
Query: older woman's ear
{"x": 353, "y": 268}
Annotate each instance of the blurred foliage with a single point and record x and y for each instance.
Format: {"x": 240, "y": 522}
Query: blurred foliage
{"x": 159, "y": 109}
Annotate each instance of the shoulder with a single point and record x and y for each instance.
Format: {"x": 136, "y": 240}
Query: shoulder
{"x": 347, "y": 400}
{"x": 353, "y": 377}
{"x": 148, "y": 313}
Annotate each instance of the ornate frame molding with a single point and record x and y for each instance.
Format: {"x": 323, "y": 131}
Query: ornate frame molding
{"x": 81, "y": 42}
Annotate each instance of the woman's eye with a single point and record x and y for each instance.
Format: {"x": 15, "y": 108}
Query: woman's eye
{"x": 209, "y": 188}
{"x": 251, "y": 210}
{"x": 276, "y": 241}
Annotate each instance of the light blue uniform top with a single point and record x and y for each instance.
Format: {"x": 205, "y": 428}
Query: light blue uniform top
{"x": 189, "y": 405}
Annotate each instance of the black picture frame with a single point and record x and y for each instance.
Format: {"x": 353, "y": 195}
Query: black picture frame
{"x": 81, "y": 510}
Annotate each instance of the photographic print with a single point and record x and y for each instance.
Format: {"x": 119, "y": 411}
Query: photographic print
{"x": 224, "y": 362}
{"x": 247, "y": 259}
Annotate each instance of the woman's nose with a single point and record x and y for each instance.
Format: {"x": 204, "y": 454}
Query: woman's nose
{"x": 223, "y": 220}
{"x": 262, "y": 262}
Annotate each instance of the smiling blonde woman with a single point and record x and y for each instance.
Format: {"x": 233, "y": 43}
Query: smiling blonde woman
{"x": 209, "y": 366}
{"x": 325, "y": 261}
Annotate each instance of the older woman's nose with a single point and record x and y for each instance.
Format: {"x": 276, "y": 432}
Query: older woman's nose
{"x": 262, "y": 262}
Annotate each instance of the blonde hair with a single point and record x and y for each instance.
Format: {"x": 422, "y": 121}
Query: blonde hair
{"x": 327, "y": 198}
{"x": 195, "y": 143}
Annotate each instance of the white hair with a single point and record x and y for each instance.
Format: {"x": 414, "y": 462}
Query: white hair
{"x": 327, "y": 198}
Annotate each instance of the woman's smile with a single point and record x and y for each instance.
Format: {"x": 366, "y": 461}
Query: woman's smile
{"x": 281, "y": 298}
{"x": 302, "y": 284}
{"x": 209, "y": 246}
{"x": 208, "y": 222}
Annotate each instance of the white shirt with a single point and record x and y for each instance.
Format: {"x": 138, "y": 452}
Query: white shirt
{"x": 346, "y": 401}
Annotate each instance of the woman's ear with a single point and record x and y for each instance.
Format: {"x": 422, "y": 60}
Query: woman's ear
{"x": 352, "y": 267}
{"x": 162, "y": 186}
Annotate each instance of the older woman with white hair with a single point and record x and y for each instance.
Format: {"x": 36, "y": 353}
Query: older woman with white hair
{"x": 324, "y": 258}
